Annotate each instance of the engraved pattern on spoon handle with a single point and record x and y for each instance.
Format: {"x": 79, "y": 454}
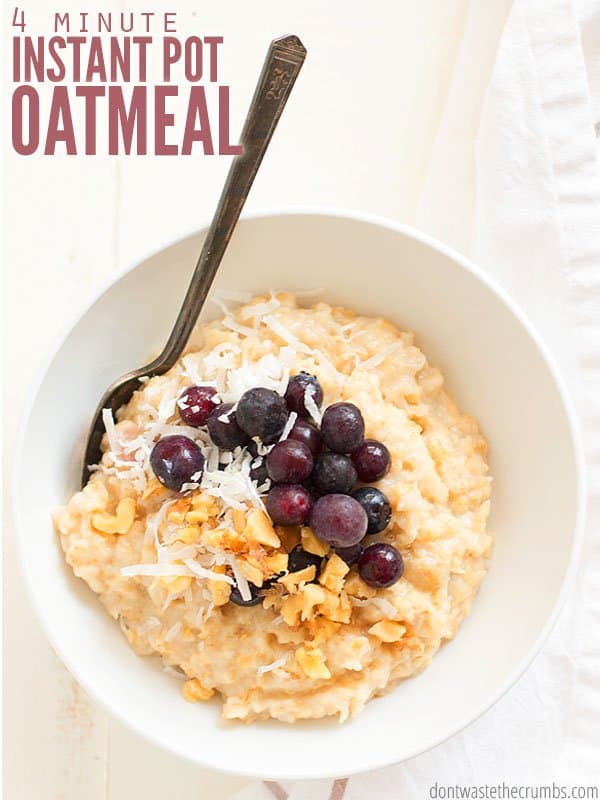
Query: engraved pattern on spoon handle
{"x": 282, "y": 65}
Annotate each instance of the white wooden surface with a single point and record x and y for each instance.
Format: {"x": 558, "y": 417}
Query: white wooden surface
{"x": 357, "y": 133}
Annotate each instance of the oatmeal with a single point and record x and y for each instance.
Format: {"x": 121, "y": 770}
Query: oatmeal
{"x": 294, "y": 516}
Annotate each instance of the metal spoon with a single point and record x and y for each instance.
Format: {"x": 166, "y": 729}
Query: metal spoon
{"x": 280, "y": 70}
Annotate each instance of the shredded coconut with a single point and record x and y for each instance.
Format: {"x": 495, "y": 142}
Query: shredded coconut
{"x": 291, "y": 421}
{"x": 285, "y": 334}
{"x": 111, "y": 433}
{"x": 375, "y": 360}
{"x": 243, "y": 330}
{"x": 273, "y": 665}
{"x": 201, "y": 572}
{"x": 172, "y": 632}
{"x": 240, "y": 580}
{"x": 260, "y": 309}
{"x": 311, "y": 406}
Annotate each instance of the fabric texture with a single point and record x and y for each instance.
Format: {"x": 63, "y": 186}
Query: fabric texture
{"x": 514, "y": 183}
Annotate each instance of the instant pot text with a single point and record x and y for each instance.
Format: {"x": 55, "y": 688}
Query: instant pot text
{"x": 118, "y": 83}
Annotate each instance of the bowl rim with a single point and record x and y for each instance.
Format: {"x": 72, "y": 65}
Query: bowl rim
{"x": 568, "y": 408}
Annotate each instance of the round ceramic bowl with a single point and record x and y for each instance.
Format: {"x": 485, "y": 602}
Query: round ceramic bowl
{"x": 496, "y": 369}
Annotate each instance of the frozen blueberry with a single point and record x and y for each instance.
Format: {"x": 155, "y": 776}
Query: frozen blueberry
{"x": 262, "y": 412}
{"x": 295, "y": 395}
{"x": 377, "y": 508}
{"x": 175, "y": 460}
{"x": 342, "y": 427}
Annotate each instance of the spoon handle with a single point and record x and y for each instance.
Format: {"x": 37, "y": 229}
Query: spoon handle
{"x": 280, "y": 70}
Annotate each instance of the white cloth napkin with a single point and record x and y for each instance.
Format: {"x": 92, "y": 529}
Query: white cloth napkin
{"x": 514, "y": 183}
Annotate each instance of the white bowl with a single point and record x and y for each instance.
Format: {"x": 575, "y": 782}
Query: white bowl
{"x": 496, "y": 369}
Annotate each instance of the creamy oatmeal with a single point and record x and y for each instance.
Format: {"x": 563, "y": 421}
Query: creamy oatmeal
{"x": 203, "y": 576}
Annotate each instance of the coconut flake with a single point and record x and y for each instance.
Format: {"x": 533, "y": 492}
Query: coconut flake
{"x": 375, "y": 360}
{"x": 384, "y": 606}
{"x": 270, "y": 667}
{"x": 285, "y": 334}
{"x": 243, "y": 330}
{"x": 232, "y": 485}
{"x": 172, "y": 632}
{"x": 111, "y": 432}
{"x": 311, "y": 406}
{"x": 202, "y": 572}
{"x": 291, "y": 421}
{"x": 166, "y": 408}
{"x": 260, "y": 309}
{"x": 148, "y": 624}
{"x": 190, "y": 367}
{"x": 153, "y": 524}
{"x": 189, "y": 487}
{"x": 240, "y": 580}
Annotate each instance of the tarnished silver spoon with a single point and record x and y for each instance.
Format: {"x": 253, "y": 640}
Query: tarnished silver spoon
{"x": 280, "y": 70}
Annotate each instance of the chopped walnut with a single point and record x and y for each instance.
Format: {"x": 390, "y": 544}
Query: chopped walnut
{"x": 259, "y": 529}
{"x": 293, "y": 580}
{"x": 356, "y": 587}
{"x": 251, "y": 569}
{"x": 120, "y": 522}
{"x": 189, "y": 534}
{"x": 193, "y": 691}
{"x": 387, "y": 630}
{"x": 311, "y": 544}
{"x": 322, "y": 629}
{"x": 336, "y": 607}
{"x": 289, "y": 537}
{"x": 312, "y": 662}
{"x": 219, "y": 590}
{"x": 276, "y": 563}
{"x": 239, "y": 519}
{"x": 333, "y": 574}
{"x": 302, "y": 606}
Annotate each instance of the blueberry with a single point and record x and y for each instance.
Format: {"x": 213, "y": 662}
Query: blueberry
{"x": 262, "y": 412}
{"x": 351, "y": 554}
{"x": 299, "y": 559}
{"x": 196, "y": 404}
{"x": 289, "y": 462}
{"x": 226, "y": 433}
{"x": 380, "y": 565}
{"x": 236, "y": 596}
{"x": 289, "y": 504}
{"x": 342, "y": 427}
{"x": 175, "y": 459}
{"x": 334, "y": 473}
{"x": 338, "y": 520}
{"x": 307, "y": 433}
{"x": 295, "y": 394}
{"x": 372, "y": 460}
{"x": 377, "y": 508}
